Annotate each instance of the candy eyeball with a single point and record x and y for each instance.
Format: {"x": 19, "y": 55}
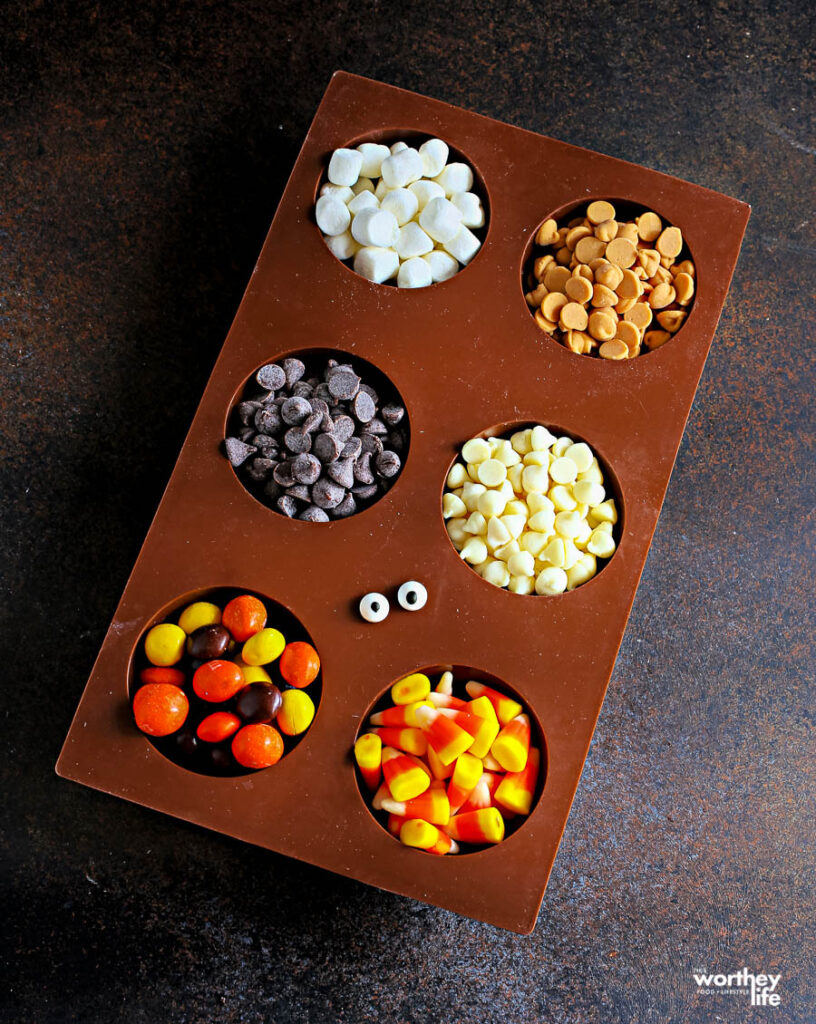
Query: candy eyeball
{"x": 374, "y": 607}
{"x": 412, "y": 596}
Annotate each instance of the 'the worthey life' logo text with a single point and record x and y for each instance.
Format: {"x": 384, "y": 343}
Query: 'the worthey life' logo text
{"x": 762, "y": 987}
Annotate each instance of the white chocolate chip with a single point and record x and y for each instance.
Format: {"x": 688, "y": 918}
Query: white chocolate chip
{"x": 456, "y": 531}
{"x": 470, "y": 494}
{"x": 563, "y": 470}
{"x": 474, "y": 551}
{"x": 441, "y": 220}
{"x": 402, "y": 203}
{"x": 491, "y": 503}
{"x": 568, "y": 524}
{"x": 583, "y": 570}
{"x": 514, "y": 524}
{"x": 521, "y": 564}
{"x": 535, "y": 478}
{"x": 562, "y": 498}
{"x": 588, "y": 493}
{"x": 344, "y": 166}
{"x": 497, "y": 574}
{"x": 402, "y": 168}
{"x": 452, "y": 505}
{"x": 606, "y": 511}
{"x": 414, "y": 273}
{"x": 541, "y": 439}
{"x": 476, "y": 524}
{"x": 470, "y": 206}
{"x": 601, "y": 543}
{"x": 434, "y": 154}
{"x": 492, "y": 472}
{"x": 332, "y": 216}
{"x": 375, "y": 227}
{"x": 521, "y": 442}
{"x": 551, "y": 581}
{"x": 581, "y": 455}
{"x": 373, "y": 155}
{"x": 543, "y": 521}
{"x": 456, "y": 476}
{"x": 413, "y": 242}
{"x": 521, "y": 585}
{"x": 376, "y": 264}
{"x": 476, "y": 450}
{"x": 507, "y": 550}
{"x": 497, "y": 533}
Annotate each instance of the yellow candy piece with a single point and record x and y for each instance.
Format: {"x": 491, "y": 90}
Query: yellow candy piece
{"x": 253, "y": 673}
{"x": 411, "y": 689}
{"x": 200, "y": 613}
{"x": 419, "y": 834}
{"x": 266, "y": 645}
{"x": 164, "y": 644}
{"x": 296, "y": 714}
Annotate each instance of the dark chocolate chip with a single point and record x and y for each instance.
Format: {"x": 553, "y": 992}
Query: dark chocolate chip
{"x": 287, "y": 505}
{"x": 343, "y": 428}
{"x": 313, "y": 381}
{"x": 364, "y": 491}
{"x": 312, "y": 422}
{"x": 352, "y": 448}
{"x": 246, "y": 412}
{"x": 396, "y": 440}
{"x": 388, "y": 464}
{"x": 376, "y": 426}
{"x": 264, "y": 443}
{"x": 247, "y": 434}
{"x": 271, "y": 377}
{"x": 306, "y": 469}
{"x": 272, "y": 489}
{"x": 392, "y": 414}
{"x": 267, "y": 419}
{"x": 362, "y": 469}
{"x": 322, "y": 392}
{"x": 297, "y": 441}
{"x": 347, "y": 507}
{"x": 370, "y": 443}
{"x": 326, "y": 494}
{"x": 344, "y": 384}
{"x": 371, "y": 392}
{"x": 327, "y": 447}
{"x": 295, "y": 410}
{"x": 342, "y": 472}
{"x": 238, "y": 451}
{"x": 259, "y": 469}
{"x": 313, "y": 514}
{"x": 300, "y": 492}
{"x": 363, "y": 407}
{"x": 282, "y": 474}
{"x": 294, "y": 370}
{"x": 302, "y": 389}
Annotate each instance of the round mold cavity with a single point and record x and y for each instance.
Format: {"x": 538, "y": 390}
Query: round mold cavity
{"x": 611, "y": 484}
{"x": 208, "y": 758}
{"x": 413, "y": 138}
{"x": 461, "y": 675}
{"x": 396, "y": 438}
{"x": 625, "y": 210}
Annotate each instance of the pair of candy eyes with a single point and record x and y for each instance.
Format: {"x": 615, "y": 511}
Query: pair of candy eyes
{"x": 411, "y": 596}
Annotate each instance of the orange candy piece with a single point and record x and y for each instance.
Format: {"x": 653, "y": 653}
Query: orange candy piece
{"x": 244, "y": 616}
{"x": 217, "y": 727}
{"x": 299, "y": 664}
{"x": 159, "y": 674}
{"x": 217, "y": 681}
{"x": 257, "y": 746}
{"x": 160, "y": 709}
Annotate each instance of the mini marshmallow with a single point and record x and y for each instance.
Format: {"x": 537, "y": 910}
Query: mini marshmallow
{"x": 413, "y": 242}
{"x": 464, "y": 245}
{"x": 442, "y": 220}
{"x": 343, "y": 246}
{"x": 344, "y": 166}
{"x": 382, "y": 190}
{"x": 362, "y": 185}
{"x": 401, "y": 168}
{"x": 454, "y": 178}
{"x": 470, "y": 206}
{"x": 403, "y": 204}
{"x": 341, "y": 192}
{"x": 442, "y": 265}
{"x": 332, "y": 216}
{"x": 373, "y": 155}
{"x": 374, "y": 227}
{"x": 434, "y": 155}
{"x": 414, "y": 273}
{"x": 425, "y": 191}
{"x": 398, "y": 147}
{"x": 363, "y": 201}
{"x": 376, "y": 264}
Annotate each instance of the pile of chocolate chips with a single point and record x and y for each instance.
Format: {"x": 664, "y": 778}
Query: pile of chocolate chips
{"x": 318, "y": 448}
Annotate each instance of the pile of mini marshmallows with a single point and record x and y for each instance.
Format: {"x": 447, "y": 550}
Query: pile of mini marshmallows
{"x": 413, "y": 224}
{"x": 530, "y": 513}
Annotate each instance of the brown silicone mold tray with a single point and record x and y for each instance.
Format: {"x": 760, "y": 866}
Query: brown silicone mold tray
{"x": 467, "y": 358}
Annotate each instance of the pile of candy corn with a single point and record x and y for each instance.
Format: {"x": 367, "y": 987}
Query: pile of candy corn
{"x": 449, "y": 771}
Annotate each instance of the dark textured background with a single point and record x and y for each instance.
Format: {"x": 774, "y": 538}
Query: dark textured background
{"x": 144, "y": 149}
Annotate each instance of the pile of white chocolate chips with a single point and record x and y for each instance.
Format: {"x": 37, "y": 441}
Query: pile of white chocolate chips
{"x": 400, "y": 212}
{"x": 530, "y": 513}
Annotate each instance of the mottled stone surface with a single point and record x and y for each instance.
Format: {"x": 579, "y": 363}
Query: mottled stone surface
{"x": 144, "y": 148}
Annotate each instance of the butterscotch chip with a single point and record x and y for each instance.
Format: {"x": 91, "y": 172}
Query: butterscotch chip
{"x": 541, "y": 264}
{"x": 649, "y": 259}
{"x": 654, "y": 339}
{"x": 624, "y": 305}
{"x": 670, "y": 243}
{"x": 629, "y": 334}
{"x": 602, "y": 325}
{"x": 563, "y": 256}
{"x": 629, "y": 287}
{"x": 649, "y": 226}
{"x": 628, "y": 230}
{"x": 671, "y": 320}
{"x": 686, "y": 267}
{"x": 576, "y": 234}
{"x": 546, "y": 325}
{"x": 614, "y": 350}
{"x": 609, "y": 274}
{"x": 552, "y": 304}
{"x": 579, "y": 290}
{"x": 684, "y": 286}
{"x": 573, "y": 316}
{"x": 602, "y": 297}
{"x": 640, "y": 315}
{"x": 583, "y": 270}
{"x": 547, "y": 233}
{"x": 536, "y": 296}
{"x": 661, "y": 295}
{"x": 599, "y": 211}
{"x": 621, "y": 252}
{"x": 556, "y": 278}
{"x": 606, "y": 230}
{"x": 580, "y": 342}
{"x": 574, "y": 223}
{"x": 661, "y": 274}
{"x": 596, "y": 263}
{"x": 589, "y": 248}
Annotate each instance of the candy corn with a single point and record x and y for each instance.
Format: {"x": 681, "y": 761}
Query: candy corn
{"x": 432, "y": 805}
{"x": 410, "y": 689}
{"x": 404, "y": 715}
{"x": 424, "y": 836}
{"x": 395, "y": 823}
{"x": 484, "y": 826}
{"x": 440, "y": 771}
{"x": 511, "y": 746}
{"x": 411, "y": 741}
{"x": 516, "y": 789}
{"x": 403, "y": 776}
{"x": 368, "y": 754}
{"x": 482, "y": 795}
{"x": 446, "y": 700}
{"x": 447, "y": 737}
{"x": 445, "y": 684}
{"x": 505, "y": 707}
{"x": 466, "y": 773}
